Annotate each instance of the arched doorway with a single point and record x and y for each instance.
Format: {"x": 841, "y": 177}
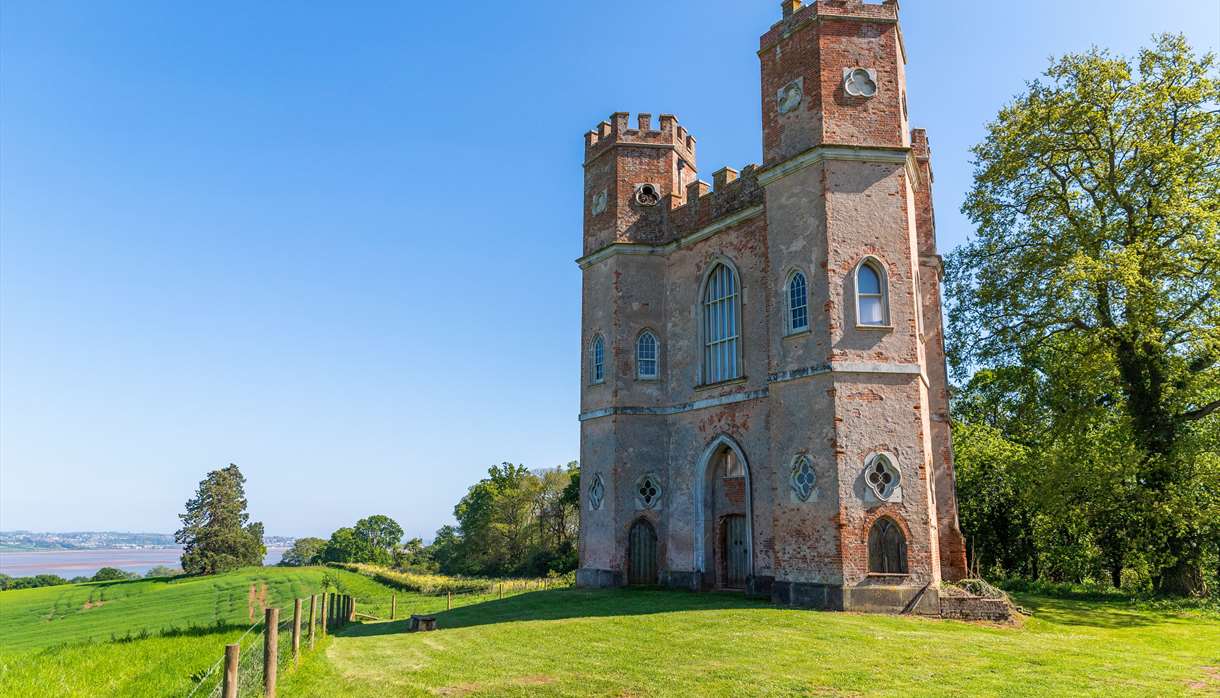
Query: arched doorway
{"x": 723, "y": 527}
{"x": 642, "y": 554}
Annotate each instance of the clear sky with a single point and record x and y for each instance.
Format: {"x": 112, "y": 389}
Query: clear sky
{"x": 335, "y": 246}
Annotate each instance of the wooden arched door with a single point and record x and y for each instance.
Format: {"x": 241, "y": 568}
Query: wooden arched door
{"x": 642, "y": 554}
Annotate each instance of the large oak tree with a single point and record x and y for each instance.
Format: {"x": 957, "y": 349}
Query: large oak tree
{"x": 1097, "y": 204}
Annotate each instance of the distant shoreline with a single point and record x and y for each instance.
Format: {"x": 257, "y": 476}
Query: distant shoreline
{"x": 76, "y": 563}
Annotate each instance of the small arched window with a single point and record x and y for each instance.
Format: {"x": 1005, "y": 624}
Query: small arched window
{"x": 599, "y": 359}
{"x": 798, "y": 303}
{"x": 887, "y": 548}
{"x": 721, "y": 328}
{"x": 871, "y": 306}
{"x": 646, "y": 356}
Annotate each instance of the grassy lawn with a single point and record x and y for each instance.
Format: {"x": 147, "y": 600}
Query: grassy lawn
{"x": 576, "y": 642}
{"x": 61, "y": 641}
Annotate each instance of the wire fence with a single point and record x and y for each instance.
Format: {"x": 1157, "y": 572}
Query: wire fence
{"x": 249, "y": 671}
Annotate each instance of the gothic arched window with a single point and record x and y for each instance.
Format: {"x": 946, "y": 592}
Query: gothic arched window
{"x": 599, "y": 359}
{"x": 887, "y": 548}
{"x": 798, "y": 303}
{"x": 872, "y": 307}
{"x": 721, "y": 326}
{"x": 646, "y": 356}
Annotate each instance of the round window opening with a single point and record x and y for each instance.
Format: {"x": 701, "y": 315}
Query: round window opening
{"x": 647, "y": 195}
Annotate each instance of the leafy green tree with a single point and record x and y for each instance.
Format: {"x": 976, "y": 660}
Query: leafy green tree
{"x": 304, "y": 551}
{"x": 343, "y": 546}
{"x": 1097, "y": 203}
{"x": 514, "y": 521}
{"x": 162, "y": 571}
{"x": 40, "y": 580}
{"x": 414, "y": 555}
{"x": 110, "y": 574}
{"x": 379, "y": 536}
{"x": 216, "y": 534}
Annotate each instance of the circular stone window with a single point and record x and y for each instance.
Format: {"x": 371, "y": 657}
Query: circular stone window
{"x": 860, "y": 82}
{"x": 647, "y": 195}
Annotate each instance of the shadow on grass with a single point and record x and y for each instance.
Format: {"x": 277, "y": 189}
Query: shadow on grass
{"x": 565, "y": 604}
{"x": 1109, "y": 613}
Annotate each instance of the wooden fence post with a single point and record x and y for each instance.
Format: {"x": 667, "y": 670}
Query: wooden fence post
{"x": 322, "y": 615}
{"x": 296, "y": 631}
{"x": 449, "y": 604}
{"x": 313, "y": 609}
{"x": 393, "y": 605}
{"x": 501, "y": 591}
{"x": 351, "y": 609}
{"x": 271, "y": 648}
{"x": 229, "y": 687}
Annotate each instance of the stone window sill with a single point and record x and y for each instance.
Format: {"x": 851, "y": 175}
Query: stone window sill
{"x": 891, "y": 576}
{"x": 721, "y": 384}
{"x": 884, "y": 328}
{"x": 798, "y": 333}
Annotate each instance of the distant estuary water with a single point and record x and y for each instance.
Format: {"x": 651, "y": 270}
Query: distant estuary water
{"x": 85, "y": 563}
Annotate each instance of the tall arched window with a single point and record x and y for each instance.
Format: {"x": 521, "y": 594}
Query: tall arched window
{"x": 887, "y": 548}
{"x": 599, "y": 359}
{"x": 646, "y": 356}
{"x": 871, "y": 305}
{"x": 798, "y": 303}
{"x": 721, "y": 326}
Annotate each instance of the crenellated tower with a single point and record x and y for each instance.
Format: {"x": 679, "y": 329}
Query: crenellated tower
{"x": 764, "y": 401}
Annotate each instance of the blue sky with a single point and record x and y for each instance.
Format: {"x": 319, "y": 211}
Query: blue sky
{"x": 335, "y": 245}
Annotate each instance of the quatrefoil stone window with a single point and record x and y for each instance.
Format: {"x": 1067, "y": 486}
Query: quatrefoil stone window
{"x": 599, "y": 202}
{"x": 882, "y": 477}
{"x": 860, "y": 82}
{"x": 803, "y": 478}
{"x": 648, "y": 492}
{"x": 597, "y": 491}
{"x": 789, "y": 96}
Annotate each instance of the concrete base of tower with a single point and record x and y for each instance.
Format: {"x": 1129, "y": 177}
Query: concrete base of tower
{"x": 919, "y": 600}
{"x": 592, "y": 578}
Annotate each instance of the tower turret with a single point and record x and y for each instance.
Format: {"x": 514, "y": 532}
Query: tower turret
{"x": 832, "y": 74}
{"x": 633, "y": 176}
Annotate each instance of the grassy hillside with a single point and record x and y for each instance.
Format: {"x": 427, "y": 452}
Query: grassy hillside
{"x": 61, "y": 641}
{"x": 101, "y": 611}
{"x": 575, "y": 642}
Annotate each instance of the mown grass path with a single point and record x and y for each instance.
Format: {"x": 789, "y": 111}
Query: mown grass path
{"x": 577, "y": 643}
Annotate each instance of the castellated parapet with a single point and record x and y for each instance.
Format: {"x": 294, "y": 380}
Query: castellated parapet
{"x": 764, "y": 403}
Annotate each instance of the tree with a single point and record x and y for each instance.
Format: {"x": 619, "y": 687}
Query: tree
{"x": 304, "y": 551}
{"x": 110, "y": 574}
{"x": 514, "y": 521}
{"x": 216, "y": 534}
{"x": 378, "y": 536}
{"x": 343, "y": 546}
{"x": 414, "y": 555}
{"x": 162, "y": 571}
{"x": 1097, "y": 202}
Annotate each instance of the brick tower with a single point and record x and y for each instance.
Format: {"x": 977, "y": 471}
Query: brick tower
{"x": 764, "y": 402}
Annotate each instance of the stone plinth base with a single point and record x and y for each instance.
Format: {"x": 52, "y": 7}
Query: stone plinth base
{"x": 598, "y": 579}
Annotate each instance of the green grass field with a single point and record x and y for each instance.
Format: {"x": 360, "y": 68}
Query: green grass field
{"x": 635, "y": 643}
{"x": 156, "y": 637}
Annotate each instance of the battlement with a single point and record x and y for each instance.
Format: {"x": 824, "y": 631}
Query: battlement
{"x": 618, "y": 131}
{"x": 796, "y": 14}
{"x": 734, "y": 191}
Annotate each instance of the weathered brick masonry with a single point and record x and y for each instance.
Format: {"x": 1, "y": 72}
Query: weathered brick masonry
{"x": 797, "y": 451}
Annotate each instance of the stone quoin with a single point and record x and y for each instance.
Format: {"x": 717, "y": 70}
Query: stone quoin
{"x": 764, "y": 403}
